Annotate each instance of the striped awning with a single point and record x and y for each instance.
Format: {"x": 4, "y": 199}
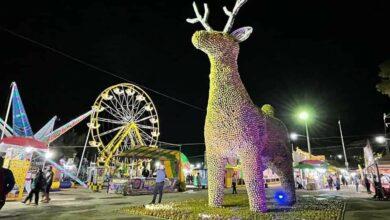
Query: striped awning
{"x": 150, "y": 153}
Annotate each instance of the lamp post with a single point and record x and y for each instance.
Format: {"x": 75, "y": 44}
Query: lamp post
{"x": 383, "y": 140}
{"x": 293, "y": 137}
{"x": 380, "y": 140}
{"x": 304, "y": 116}
{"x": 386, "y": 116}
{"x": 343, "y": 145}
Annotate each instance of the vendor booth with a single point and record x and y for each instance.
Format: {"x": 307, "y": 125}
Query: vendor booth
{"x": 312, "y": 171}
{"x": 313, "y": 174}
{"x": 132, "y": 182}
{"x": 375, "y": 167}
{"x": 380, "y": 167}
{"x": 25, "y": 151}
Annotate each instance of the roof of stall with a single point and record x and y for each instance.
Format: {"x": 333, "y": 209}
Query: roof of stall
{"x": 384, "y": 161}
{"x": 23, "y": 142}
{"x": 150, "y": 153}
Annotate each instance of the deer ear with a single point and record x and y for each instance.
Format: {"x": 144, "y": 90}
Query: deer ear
{"x": 241, "y": 34}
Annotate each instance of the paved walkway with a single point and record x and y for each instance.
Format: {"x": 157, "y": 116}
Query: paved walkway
{"x": 83, "y": 204}
{"x": 359, "y": 205}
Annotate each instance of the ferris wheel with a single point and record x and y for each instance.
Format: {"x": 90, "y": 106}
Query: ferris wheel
{"x": 124, "y": 117}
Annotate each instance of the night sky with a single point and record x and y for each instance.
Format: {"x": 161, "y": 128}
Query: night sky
{"x": 323, "y": 54}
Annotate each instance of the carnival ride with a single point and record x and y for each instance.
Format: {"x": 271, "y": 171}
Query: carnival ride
{"x": 124, "y": 127}
{"x": 124, "y": 117}
{"x": 23, "y": 149}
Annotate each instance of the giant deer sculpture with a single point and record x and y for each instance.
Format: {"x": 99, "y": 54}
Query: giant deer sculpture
{"x": 235, "y": 127}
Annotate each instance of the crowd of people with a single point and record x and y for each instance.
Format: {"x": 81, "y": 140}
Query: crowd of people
{"x": 194, "y": 180}
{"x": 335, "y": 181}
{"x": 41, "y": 182}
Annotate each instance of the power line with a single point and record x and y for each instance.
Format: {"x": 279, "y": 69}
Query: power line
{"x": 181, "y": 144}
{"x": 196, "y": 156}
{"x": 338, "y": 137}
{"x": 318, "y": 139}
{"x": 96, "y": 67}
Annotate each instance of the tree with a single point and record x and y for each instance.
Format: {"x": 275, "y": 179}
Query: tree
{"x": 384, "y": 85}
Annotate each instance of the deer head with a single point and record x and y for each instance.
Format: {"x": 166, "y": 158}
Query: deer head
{"x": 218, "y": 42}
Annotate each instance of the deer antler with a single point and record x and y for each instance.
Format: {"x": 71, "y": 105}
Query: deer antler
{"x": 232, "y": 14}
{"x": 199, "y": 18}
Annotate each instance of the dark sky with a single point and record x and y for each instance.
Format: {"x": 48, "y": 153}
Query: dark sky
{"x": 324, "y": 54}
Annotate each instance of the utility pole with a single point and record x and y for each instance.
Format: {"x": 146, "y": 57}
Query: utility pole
{"x": 342, "y": 143}
{"x": 308, "y": 139}
{"x": 82, "y": 155}
{"x": 292, "y": 147}
{"x": 386, "y": 116}
{"x": 8, "y": 109}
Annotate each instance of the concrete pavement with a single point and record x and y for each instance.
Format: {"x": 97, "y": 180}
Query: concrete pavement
{"x": 83, "y": 204}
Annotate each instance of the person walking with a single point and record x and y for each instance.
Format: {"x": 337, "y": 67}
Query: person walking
{"x": 368, "y": 184}
{"x": 330, "y": 182}
{"x": 7, "y": 182}
{"x": 378, "y": 189}
{"x": 337, "y": 183}
{"x": 159, "y": 187}
{"x": 36, "y": 186}
{"x": 234, "y": 184}
{"x": 343, "y": 180}
{"x": 356, "y": 182}
{"x": 199, "y": 181}
{"x": 49, "y": 181}
{"x": 299, "y": 182}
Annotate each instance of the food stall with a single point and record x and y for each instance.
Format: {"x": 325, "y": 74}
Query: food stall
{"x": 381, "y": 167}
{"x": 314, "y": 173}
{"x": 175, "y": 163}
{"x": 21, "y": 160}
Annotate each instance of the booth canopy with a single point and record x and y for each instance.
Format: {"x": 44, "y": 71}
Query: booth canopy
{"x": 304, "y": 166}
{"x": 312, "y": 164}
{"x": 24, "y": 142}
{"x": 153, "y": 153}
{"x": 170, "y": 157}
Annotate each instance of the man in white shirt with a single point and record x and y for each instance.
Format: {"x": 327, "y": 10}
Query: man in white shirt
{"x": 159, "y": 187}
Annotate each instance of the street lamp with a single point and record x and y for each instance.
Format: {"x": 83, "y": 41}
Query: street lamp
{"x": 49, "y": 155}
{"x": 380, "y": 139}
{"x": 383, "y": 140}
{"x": 294, "y": 136}
{"x": 304, "y": 116}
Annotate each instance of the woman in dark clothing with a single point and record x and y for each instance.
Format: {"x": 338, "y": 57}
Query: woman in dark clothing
{"x": 7, "y": 182}
{"x": 368, "y": 184}
{"x": 378, "y": 189}
{"x": 234, "y": 184}
{"x": 36, "y": 186}
{"x": 338, "y": 183}
{"x": 330, "y": 182}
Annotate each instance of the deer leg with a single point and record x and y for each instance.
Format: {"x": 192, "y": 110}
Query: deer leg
{"x": 282, "y": 166}
{"x": 252, "y": 167}
{"x": 216, "y": 174}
